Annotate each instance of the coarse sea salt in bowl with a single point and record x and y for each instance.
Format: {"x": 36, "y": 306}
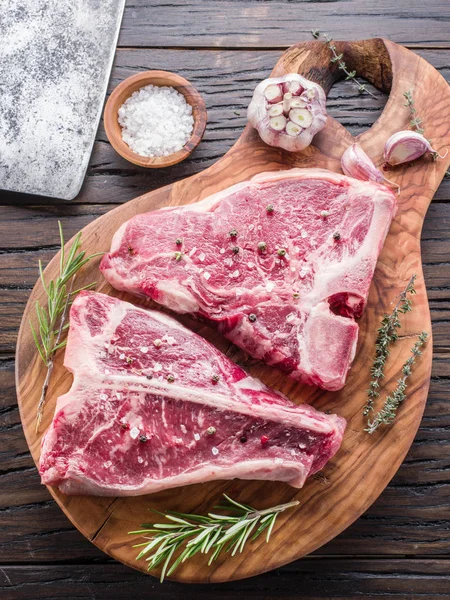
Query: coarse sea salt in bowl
{"x": 150, "y": 124}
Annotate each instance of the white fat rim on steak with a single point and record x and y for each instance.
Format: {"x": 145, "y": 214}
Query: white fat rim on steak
{"x": 295, "y": 475}
{"x": 261, "y": 179}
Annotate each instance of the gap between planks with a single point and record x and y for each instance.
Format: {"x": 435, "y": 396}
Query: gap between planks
{"x": 399, "y": 558}
{"x": 442, "y": 47}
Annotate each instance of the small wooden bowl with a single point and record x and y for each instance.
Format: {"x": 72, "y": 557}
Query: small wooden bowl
{"x": 158, "y": 78}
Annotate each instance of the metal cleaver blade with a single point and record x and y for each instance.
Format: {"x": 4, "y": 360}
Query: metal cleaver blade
{"x": 55, "y": 62}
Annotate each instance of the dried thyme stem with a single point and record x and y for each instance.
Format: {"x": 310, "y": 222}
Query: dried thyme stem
{"x": 416, "y": 121}
{"x": 387, "y": 414}
{"x": 337, "y": 58}
{"x": 387, "y": 334}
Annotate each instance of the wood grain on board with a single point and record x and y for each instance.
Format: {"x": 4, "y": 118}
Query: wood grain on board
{"x": 364, "y": 466}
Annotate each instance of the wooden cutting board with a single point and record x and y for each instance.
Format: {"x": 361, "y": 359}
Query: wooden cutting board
{"x": 333, "y": 499}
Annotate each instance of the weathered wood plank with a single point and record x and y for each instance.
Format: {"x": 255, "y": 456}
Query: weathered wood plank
{"x": 230, "y": 23}
{"x": 30, "y": 227}
{"x": 316, "y": 578}
{"x": 226, "y": 79}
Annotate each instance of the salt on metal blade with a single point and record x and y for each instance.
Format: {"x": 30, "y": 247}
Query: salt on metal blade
{"x": 55, "y": 61}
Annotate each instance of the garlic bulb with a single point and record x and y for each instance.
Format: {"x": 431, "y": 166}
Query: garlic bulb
{"x": 405, "y": 146}
{"x": 288, "y": 111}
{"x": 355, "y": 163}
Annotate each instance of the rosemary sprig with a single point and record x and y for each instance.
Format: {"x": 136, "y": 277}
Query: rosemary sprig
{"x": 416, "y": 122}
{"x": 387, "y": 334}
{"x": 52, "y": 316}
{"x": 205, "y": 534}
{"x": 387, "y": 414}
{"x": 337, "y": 58}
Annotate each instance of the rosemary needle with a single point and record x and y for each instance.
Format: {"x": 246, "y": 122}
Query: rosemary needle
{"x": 52, "y": 316}
{"x": 210, "y": 534}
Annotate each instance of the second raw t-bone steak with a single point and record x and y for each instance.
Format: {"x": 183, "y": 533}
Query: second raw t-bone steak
{"x": 281, "y": 263}
{"x": 154, "y": 406}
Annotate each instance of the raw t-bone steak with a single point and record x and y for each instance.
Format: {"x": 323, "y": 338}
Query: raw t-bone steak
{"x": 154, "y": 406}
{"x": 282, "y": 263}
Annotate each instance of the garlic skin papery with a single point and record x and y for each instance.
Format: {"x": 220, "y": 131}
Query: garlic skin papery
{"x": 405, "y": 146}
{"x": 288, "y": 111}
{"x": 355, "y": 163}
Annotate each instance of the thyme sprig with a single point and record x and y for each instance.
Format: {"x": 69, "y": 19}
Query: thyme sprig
{"x": 416, "y": 122}
{"x": 387, "y": 334}
{"x": 210, "y": 534}
{"x": 51, "y": 317}
{"x": 337, "y": 58}
{"x": 387, "y": 414}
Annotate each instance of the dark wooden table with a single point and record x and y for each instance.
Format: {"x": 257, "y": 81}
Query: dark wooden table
{"x": 401, "y": 547}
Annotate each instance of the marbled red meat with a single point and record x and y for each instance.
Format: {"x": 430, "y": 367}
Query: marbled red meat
{"x": 154, "y": 406}
{"x": 285, "y": 284}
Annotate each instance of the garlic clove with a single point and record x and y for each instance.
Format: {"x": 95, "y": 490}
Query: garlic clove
{"x": 287, "y": 102}
{"x": 273, "y": 93}
{"x": 293, "y": 129}
{"x": 293, "y": 87}
{"x": 298, "y": 103}
{"x": 301, "y": 116}
{"x": 278, "y": 123}
{"x": 311, "y": 93}
{"x": 355, "y": 163}
{"x": 405, "y": 146}
{"x": 275, "y": 110}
